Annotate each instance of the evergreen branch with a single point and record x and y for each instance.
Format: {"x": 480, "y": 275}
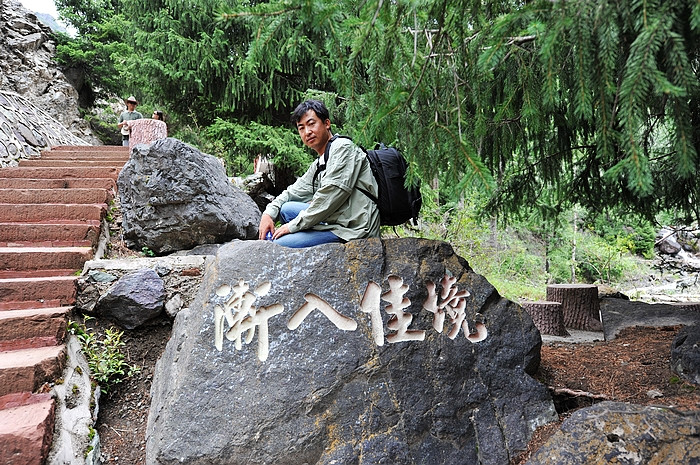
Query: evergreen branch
{"x": 521, "y": 40}
{"x": 477, "y": 166}
{"x": 260, "y": 14}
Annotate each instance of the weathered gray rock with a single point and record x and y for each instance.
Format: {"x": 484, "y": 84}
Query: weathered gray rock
{"x": 133, "y": 300}
{"x": 330, "y": 355}
{"x": 685, "y": 353}
{"x": 615, "y": 432}
{"x": 667, "y": 241}
{"x": 173, "y": 197}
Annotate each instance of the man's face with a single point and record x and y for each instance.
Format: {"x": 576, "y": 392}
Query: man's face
{"x": 131, "y": 106}
{"x": 314, "y": 133}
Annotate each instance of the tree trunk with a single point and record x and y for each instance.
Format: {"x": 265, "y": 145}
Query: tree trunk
{"x": 573, "y": 250}
{"x": 579, "y": 304}
{"x": 547, "y": 316}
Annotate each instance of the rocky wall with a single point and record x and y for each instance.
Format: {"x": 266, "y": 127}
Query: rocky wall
{"x": 28, "y": 68}
{"x": 25, "y": 130}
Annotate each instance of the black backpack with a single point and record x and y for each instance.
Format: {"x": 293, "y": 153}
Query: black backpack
{"x": 397, "y": 204}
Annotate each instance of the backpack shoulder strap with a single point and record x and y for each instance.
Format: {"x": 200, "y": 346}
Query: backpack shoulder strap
{"x": 326, "y": 153}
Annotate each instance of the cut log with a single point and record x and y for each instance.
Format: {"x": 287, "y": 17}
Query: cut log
{"x": 579, "y": 304}
{"x": 547, "y": 316}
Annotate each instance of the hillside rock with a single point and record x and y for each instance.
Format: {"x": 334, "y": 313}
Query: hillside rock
{"x": 619, "y": 313}
{"x": 685, "y": 353}
{"x": 331, "y": 355}
{"x": 616, "y": 432}
{"x": 27, "y": 68}
{"x": 174, "y": 197}
{"x": 26, "y": 130}
{"x": 133, "y": 300}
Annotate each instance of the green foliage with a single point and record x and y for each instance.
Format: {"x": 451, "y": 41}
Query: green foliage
{"x": 241, "y": 144}
{"x": 588, "y": 103}
{"x": 521, "y": 259}
{"x": 147, "y": 252}
{"x": 104, "y": 355}
{"x": 628, "y": 232}
{"x": 539, "y": 105}
{"x": 99, "y": 50}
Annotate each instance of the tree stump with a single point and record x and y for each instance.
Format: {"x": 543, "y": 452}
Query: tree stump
{"x": 547, "y": 316}
{"x": 579, "y": 304}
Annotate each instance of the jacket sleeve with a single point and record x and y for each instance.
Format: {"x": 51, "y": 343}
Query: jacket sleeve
{"x": 300, "y": 191}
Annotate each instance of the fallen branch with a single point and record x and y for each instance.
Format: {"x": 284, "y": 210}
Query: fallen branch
{"x": 577, "y": 393}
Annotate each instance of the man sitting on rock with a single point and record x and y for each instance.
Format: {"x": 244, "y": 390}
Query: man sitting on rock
{"x": 325, "y": 204}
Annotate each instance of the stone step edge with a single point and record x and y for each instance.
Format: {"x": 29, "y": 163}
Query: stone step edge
{"x": 33, "y": 327}
{"x": 44, "y": 258}
{"x": 57, "y": 183}
{"x": 26, "y": 429}
{"x": 43, "y": 196}
{"x": 27, "y": 369}
{"x": 26, "y": 304}
{"x": 49, "y": 291}
{"x": 52, "y": 212}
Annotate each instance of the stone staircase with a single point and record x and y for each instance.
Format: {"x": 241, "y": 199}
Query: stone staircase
{"x": 51, "y": 214}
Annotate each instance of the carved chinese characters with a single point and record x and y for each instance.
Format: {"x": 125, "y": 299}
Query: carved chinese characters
{"x": 242, "y": 318}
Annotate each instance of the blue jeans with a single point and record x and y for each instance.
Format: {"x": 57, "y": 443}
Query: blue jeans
{"x": 306, "y": 238}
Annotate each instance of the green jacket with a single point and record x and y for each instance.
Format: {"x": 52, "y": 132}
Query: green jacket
{"x": 335, "y": 203}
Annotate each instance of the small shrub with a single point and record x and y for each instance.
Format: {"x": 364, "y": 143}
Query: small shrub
{"x": 104, "y": 355}
{"x": 147, "y": 252}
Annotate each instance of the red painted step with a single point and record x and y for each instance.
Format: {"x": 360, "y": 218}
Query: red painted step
{"x": 41, "y": 162}
{"x": 83, "y": 155}
{"x": 16, "y": 293}
{"x": 47, "y": 323}
{"x": 80, "y": 183}
{"x": 26, "y": 370}
{"x": 39, "y": 213}
{"x": 51, "y": 211}
{"x": 76, "y": 196}
{"x": 48, "y": 273}
{"x": 44, "y": 258}
{"x": 26, "y": 428}
{"x": 70, "y": 234}
{"x": 90, "y": 148}
{"x": 61, "y": 173}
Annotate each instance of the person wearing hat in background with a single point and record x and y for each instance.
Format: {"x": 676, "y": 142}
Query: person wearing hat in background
{"x": 129, "y": 115}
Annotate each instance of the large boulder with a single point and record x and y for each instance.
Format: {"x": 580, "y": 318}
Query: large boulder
{"x": 174, "y": 197}
{"x": 616, "y": 432}
{"x": 375, "y": 351}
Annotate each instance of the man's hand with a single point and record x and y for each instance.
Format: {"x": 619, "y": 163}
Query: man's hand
{"x": 266, "y": 224}
{"x": 284, "y": 229}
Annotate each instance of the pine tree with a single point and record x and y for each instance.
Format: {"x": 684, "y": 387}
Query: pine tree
{"x": 593, "y": 103}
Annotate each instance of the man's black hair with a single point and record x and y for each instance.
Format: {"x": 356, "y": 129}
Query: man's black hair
{"x": 317, "y": 106}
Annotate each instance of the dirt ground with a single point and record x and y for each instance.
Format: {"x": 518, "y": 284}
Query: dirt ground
{"x": 634, "y": 367}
